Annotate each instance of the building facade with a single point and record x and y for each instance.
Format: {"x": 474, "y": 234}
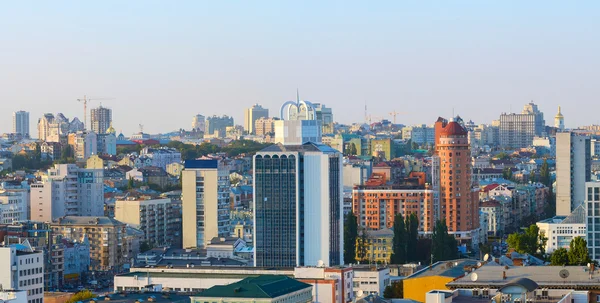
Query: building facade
{"x": 251, "y": 115}
{"x": 265, "y": 126}
{"x": 205, "y": 202}
{"x": 325, "y": 115}
{"x": 23, "y": 269}
{"x": 199, "y": 123}
{"x": 298, "y": 206}
{"x": 14, "y": 206}
{"x": 561, "y": 230}
{"x": 518, "y": 130}
{"x": 101, "y": 119}
{"x": 157, "y": 218}
{"x": 573, "y": 170}
{"x": 217, "y": 126}
{"x": 21, "y": 123}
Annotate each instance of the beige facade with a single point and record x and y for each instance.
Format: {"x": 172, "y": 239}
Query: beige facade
{"x": 94, "y": 162}
{"x": 264, "y": 126}
{"x": 156, "y": 218}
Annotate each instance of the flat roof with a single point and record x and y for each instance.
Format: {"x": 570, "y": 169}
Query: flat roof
{"x": 182, "y": 275}
{"x": 450, "y": 268}
{"x": 132, "y": 297}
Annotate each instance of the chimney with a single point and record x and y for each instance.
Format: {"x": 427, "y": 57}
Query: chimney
{"x": 503, "y": 275}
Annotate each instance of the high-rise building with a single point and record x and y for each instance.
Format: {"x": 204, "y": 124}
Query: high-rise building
{"x": 265, "y": 126}
{"x": 298, "y": 206}
{"x": 518, "y": 130}
{"x": 157, "y": 218}
{"x": 217, "y": 126}
{"x": 21, "y": 123}
{"x": 23, "y": 269}
{"x": 198, "y": 123}
{"x": 101, "y": 119}
{"x": 325, "y": 115}
{"x": 592, "y": 201}
{"x": 559, "y": 120}
{"x": 298, "y": 124}
{"x": 573, "y": 169}
{"x": 458, "y": 202}
{"x": 205, "y": 202}
{"x": 252, "y": 114}
{"x": 67, "y": 190}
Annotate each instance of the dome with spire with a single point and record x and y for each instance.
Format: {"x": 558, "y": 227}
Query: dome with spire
{"x": 559, "y": 114}
{"x": 111, "y": 130}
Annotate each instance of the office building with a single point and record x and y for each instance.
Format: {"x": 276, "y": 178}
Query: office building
{"x": 198, "y": 123}
{"x": 298, "y": 206}
{"x": 21, "y": 123}
{"x": 561, "y": 230}
{"x": 109, "y": 249}
{"x": 217, "y": 126}
{"x": 458, "y": 202}
{"x": 573, "y": 169}
{"x": 205, "y": 202}
{"x": 592, "y": 207}
{"x": 251, "y": 115}
{"x": 67, "y": 190}
{"x": 518, "y": 130}
{"x": 298, "y": 124}
{"x": 157, "y": 218}
{"x": 420, "y": 134}
{"x": 265, "y": 126}
{"x": 23, "y": 269}
{"x": 325, "y": 115}
{"x": 559, "y": 120}
{"x": 101, "y": 119}
{"x": 13, "y": 206}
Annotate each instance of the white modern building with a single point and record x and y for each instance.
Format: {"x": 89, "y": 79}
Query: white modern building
{"x": 298, "y": 124}
{"x": 518, "y": 130}
{"x": 161, "y": 157}
{"x": 298, "y": 206}
{"x": 573, "y": 169}
{"x": 251, "y": 115}
{"x": 561, "y": 230}
{"x": 21, "y": 123}
{"x": 14, "y": 206}
{"x": 205, "y": 202}
{"x": 420, "y": 134}
{"x": 23, "y": 269}
{"x": 371, "y": 279}
{"x": 67, "y": 190}
{"x": 13, "y": 296}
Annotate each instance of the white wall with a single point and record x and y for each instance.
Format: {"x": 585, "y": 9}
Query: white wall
{"x": 316, "y": 208}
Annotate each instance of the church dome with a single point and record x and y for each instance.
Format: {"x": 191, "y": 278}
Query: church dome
{"x": 111, "y": 130}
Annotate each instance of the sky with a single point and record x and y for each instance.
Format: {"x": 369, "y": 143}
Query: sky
{"x": 165, "y": 61}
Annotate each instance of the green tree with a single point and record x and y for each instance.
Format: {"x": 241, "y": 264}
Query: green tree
{"x": 545, "y": 174}
{"x": 399, "y": 242}
{"x": 353, "y": 150}
{"x": 507, "y": 173}
{"x": 394, "y": 290}
{"x": 531, "y": 241}
{"x": 578, "y": 252}
{"x": 81, "y": 296}
{"x": 501, "y": 156}
{"x": 412, "y": 235}
{"x": 560, "y": 257}
{"x": 444, "y": 246}
{"x": 532, "y": 176}
{"x": 130, "y": 183}
{"x": 350, "y": 236}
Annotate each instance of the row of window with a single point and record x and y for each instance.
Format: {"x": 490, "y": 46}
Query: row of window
{"x": 30, "y": 282}
{"x": 31, "y": 271}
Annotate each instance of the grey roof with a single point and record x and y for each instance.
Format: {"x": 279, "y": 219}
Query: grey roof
{"x": 544, "y": 276}
{"x": 306, "y": 147}
{"x": 451, "y": 268}
{"x": 75, "y": 220}
{"x": 523, "y": 282}
{"x": 386, "y": 232}
{"x": 576, "y": 217}
{"x": 374, "y": 299}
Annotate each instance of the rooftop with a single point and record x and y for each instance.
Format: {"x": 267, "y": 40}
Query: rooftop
{"x": 451, "y": 268}
{"x": 74, "y": 220}
{"x": 144, "y": 297}
{"x": 306, "y": 147}
{"x": 265, "y": 286}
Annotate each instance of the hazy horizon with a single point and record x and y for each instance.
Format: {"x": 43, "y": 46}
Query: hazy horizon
{"x": 164, "y": 62}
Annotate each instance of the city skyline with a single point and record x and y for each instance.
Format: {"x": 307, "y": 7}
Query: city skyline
{"x": 217, "y": 58}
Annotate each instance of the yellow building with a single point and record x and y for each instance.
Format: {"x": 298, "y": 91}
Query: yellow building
{"x": 383, "y": 148}
{"x": 94, "y": 162}
{"x": 379, "y": 245}
{"x": 437, "y": 276}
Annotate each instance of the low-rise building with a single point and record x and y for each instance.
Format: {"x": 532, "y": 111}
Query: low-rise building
{"x": 76, "y": 259}
{"x": 13, "y": 296}
{"x": 379, "y": 245}
{"x": 495, "y": 221}
{"x": 561, "y": 230}
{"x": 23, "y": 269}
{"x": 13, "y": 206}
{"x": 370, "y": 279}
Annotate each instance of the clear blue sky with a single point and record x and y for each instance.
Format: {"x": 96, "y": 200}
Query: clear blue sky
{"x": 164, "y": 61}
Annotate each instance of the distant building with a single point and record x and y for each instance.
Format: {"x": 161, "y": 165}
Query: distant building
{"x": 157, "y": 218}
{"x": 23, "y": 269}
{"x": 21, "y": 123}
{"x": 217, "y": 126}
{"x": 83, "y": 144}
{"x": 495, "y": 215}
{"x": 592, "y": 205}
{"x": 559, "y": 120}
{"x": 518, "y": 130}
{"x": 199, "y": 123}
{"x": 379, "y": 245}
{"x": 77, "y": 259}
{"x": 298, "y": 124}
{"x": 14, "y": 206}
{"x": 420, "y": 134}
{"x": 265, "y": 126}
{"x": 161, "y": 157}
{"x": 298, "y": 191}
{"x": 573, "y": 169}
{"x": 101, "y": 119}
{"x": 251, "y": 115}
{"x": 370, "y": 279}
{"x": 205, "y": 202}
{"x": 325, "y": 115}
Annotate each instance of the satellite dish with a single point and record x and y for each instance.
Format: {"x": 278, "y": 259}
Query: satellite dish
{"x": 474, "y": 277}
{"x": 360, "y": 293}
{"x": 479, "y": 264}
{"x": 486, "y": 257}
{"x": 564, "y": 273}
{"x": 320, "y": 263}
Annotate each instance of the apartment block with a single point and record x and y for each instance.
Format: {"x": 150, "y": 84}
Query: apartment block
{"x": 23, "y": 269}
{"x": 157, "y": 218}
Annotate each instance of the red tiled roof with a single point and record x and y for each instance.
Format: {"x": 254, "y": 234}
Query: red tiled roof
{"x": 453, "y": 129}
{"x": 490, "y": 187}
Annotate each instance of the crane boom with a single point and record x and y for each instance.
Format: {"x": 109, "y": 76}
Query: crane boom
{"x": 85, "y": 100}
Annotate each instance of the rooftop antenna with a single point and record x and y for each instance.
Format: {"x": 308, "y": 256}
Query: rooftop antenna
{"x": 297, "y": 96}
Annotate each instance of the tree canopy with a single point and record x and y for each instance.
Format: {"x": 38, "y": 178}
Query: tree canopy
{"x": 444, "y": 246}
{"x": 531, "y": 241}
{"x": 399, "y": 242}
{"x": 350, "y": 235}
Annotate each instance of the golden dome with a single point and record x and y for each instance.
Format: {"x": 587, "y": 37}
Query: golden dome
{"x": 111, "y": 130}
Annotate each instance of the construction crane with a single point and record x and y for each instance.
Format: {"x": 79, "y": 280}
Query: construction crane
{"x": 395, "y": 113}
{"x": 85, "y": 101}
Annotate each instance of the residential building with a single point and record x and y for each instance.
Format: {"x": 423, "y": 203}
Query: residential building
{"x": 84, "y": 144}
{"x": 459, "y": 202}
{"x": 559, "y": 121}
{"x": 101, "y": 119}
{"x": 21, "y": 123}
{"x": 561, "y": 230}
{"x": 484, "y": 134}
{"x": 267, "y": 288}
{"x": 205, "y": 202}
{"x": 383, "y": 149}
{"x": 67, "y": 190}
{"x": 23, "y": 269}
{"x": 592, "y": 202}
{"x": 298, "y": 206}
{"x": 251, "y": 115}
{"x": 330, "y": 284}
{"x": 518, "y": 130}
{"x": 493, "y": 209}
{"x": 199, "y": 123}
{"x": 265, "y": 126}
{"x": 420, "y": 134}
{"x": 217, "y": 126}
{"x": 107, "y": 237}
{"x": 107, "y": 143}
{"x": 14, "y": 205}
{"x": 94, "y": 162}
{"x": 77, "y": 259}
{"x": 379, "y": 245}
{"x": 435, "y": 276}
{"x": 325, "y": 115}
{"x": 157, "y": 218}
{"x": 370, "y": 279}
{"x": 174, "y": 169}
{"x": 573, "y": 170}
{"x": 161, "y": 157}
